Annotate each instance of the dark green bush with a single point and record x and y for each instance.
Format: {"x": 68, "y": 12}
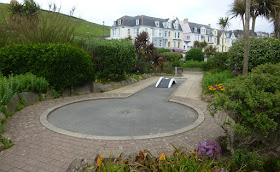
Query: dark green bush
{"x": 192, "y": 64}
{"x": 250, "y": 161}
{"x": 261, "y": 51}
{"x": 112, "y": 58}
{"x": 255, "y": 99}
{"x": 195, "y": 54}
{"x": 218, "y": 62}
{"x": 62, "y": 65}
{"x": 162, "y": 50}
{"x": 172, "y": 56}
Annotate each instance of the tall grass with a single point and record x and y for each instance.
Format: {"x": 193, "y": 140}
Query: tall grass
{"x": 210, "y": 79}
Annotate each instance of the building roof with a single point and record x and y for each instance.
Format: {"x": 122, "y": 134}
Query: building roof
{"x": 145, "y": 21}
{"x": 198, "y": 26}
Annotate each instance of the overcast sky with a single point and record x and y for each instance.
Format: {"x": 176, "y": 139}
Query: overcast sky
{"x": 197, "y": 11}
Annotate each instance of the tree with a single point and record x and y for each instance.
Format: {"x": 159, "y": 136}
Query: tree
{"x": 273, "y": 10}
{"x": 238, "y": 9}
{"x": 200, "y": 45}
{"x": 246, "y": 38}
{"x": 224, "y": 23}
{"x": 210, "y": 50}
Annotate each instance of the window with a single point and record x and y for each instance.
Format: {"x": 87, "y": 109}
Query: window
{"x": 178, "y": 35}
{"x": 157, "y": 23}
{"x": 188, "y": 37}
{"x": 169, "y": 34}
{"x": 174, "y": 44}
{"x": 119, "y": 22}
{"x": 175, "y": 35}
{"x": 178, "y": 44}
{"x": 169, "y": 24}
{"x": 208, "y": 31}
{"x": 146, "y": 30}
{"x": 137, "y": 31}
{"x": 128, "y": 31}
{"x": 160, "y": 43}
{"x": 184, "y": 47}
{"x": 159, "y": 33}
{"x": 195, "y": 29}
{"x": 137, "y": 22}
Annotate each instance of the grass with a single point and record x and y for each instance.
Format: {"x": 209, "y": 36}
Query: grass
{"x": 210, "y": 79}
{"x": 86, "y": 29}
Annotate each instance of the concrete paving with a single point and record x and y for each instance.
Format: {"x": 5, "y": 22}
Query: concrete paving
{"x": 145, "y": 113}
{"x": 39, "y": 149}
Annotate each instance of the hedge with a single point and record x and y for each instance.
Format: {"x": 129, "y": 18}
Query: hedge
{"x": 172, "y": 56}
{"x": 261, "y": 51}
{"x": 62, "y": 65}
{"x": 195, "y": 54}
{"x": 112, "y": 58}
{"x": 162, "y": 50}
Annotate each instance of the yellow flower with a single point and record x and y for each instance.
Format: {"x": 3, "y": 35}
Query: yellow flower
{"x": 96, "y": 80}
{"x": 222, "y": 89}
{"x": 162, "y": 157}
{"x": 99, "y": 161}
{"x": 214, "y": 88}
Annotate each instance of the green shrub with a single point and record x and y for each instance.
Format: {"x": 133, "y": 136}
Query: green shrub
{"x": 255, "y": 99}
{"x": 62, "y": 65}
{"x": 210, "y": 79}
{"x": 261, "y": 51}
{"x": 172, "y": 56}
{"x": 162, "y": 50}
{"x": 195, "y": 54}
{"x": 112, "y": 58}
{"x": 193, "y": 64}
{"x": 249, "y": 161}
{"x": 218, "y": 62}
{"x": 20, "y": 83}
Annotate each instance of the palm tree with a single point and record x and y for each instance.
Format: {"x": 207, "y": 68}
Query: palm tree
{"x": 238, "y": 9}
{"x": 246, "y": 38}
{"x": 224, "y": 23}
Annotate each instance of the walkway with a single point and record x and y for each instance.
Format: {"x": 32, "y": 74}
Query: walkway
{"x": 40, "y": 149}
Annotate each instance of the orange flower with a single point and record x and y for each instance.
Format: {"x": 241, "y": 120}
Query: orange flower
{"x": 162, "y": 157}
{"x": 222, "y": 89}
{"x": 99, "y": 161}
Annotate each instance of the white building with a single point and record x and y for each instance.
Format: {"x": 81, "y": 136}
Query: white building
{"x": 164, "y": 33}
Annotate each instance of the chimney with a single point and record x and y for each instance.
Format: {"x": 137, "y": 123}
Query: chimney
{"x": 186, "y": 20}
{"x": 209, "y": 25}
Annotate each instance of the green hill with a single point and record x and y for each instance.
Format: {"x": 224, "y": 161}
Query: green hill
{"x": 85, "y": 29}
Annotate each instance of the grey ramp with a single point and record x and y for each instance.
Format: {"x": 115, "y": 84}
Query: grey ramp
{"x": 145, "y": 113}
{"x": 164, "y": 83}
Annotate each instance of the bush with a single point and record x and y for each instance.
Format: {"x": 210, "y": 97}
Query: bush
{"x": 113, "y": 58}
{"x": 62, "y": 65}
{"x": 172, "y": 56}
{"x": 210, "y": 79}
{"x": 255, "y": 99}
{"x": 193, "y": 64}
{"x": 250, "y": 161}
{"x": 261, "y": 51}
{"x": 162, "y": 50}
{"x": 195, "y": 54}
{"x": 20, "y": 83}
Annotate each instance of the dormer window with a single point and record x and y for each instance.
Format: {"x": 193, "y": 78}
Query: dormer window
{"x": 137, "y": 22}
{"x": 195, "y": 29}
{"x": 157, "y": 23}
{"x": 175, "y": 25}
{"x": 169, "y": 24}
{"x": 208, "y": 31}
{"x": 164, "y": 25}
{"x": 119, "y": 22}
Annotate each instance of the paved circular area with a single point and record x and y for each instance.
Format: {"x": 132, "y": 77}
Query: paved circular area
{"x": 146, "y": 114}
{"x": 42, "y": 150}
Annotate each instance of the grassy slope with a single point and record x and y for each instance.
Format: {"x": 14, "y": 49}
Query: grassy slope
{"x": 85, "y": 29}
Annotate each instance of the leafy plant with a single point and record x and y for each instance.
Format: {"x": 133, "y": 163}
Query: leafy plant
{"x": 210, "y": 50}
{"x": 195, "y": 54}
{"x": 62, "y": 65}
{"x": 215, "y": 78}
{"x": 255, "y": 99}
{"x": 262, "y": 50}
{"x": 192, "y": 64}
{"x": 162, "y": 50}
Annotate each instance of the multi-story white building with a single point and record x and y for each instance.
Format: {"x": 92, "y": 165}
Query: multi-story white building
{"x": 163, "y": 33}
{"x": 225, "y": 41}
{"x": 198, "y": 32}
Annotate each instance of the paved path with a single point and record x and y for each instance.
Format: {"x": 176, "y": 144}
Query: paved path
{"x": 40, "y": 149}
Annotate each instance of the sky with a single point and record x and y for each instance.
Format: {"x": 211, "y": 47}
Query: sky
{"x": 197, "y": 11}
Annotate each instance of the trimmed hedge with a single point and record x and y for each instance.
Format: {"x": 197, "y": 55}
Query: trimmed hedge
{"x": 261, "y": 51}
{"x": 113, "y": 58}
{"x": 217, "y": 62}
{"x": 62, "y": 65}
{"x": 195, "y": 54}
{"x": 162, "y": 50}
{"x": 172, "y": 56}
